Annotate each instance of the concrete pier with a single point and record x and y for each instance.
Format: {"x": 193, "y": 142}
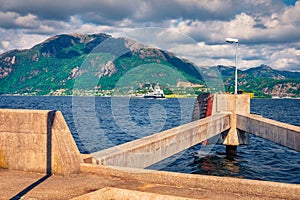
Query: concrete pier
{"x": 34, "y": 145}
{"x": 149, "y": 150}
{"x": 146, "y": 151}
{"x": 278, "y": 132}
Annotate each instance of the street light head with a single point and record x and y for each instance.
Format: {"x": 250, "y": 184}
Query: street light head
{"x": 232, "y": 40}
{"x": 236, "y": 41}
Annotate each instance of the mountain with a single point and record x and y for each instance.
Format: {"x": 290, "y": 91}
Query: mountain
{"x": 264, "y": 81}
{"x": 68, "y": 63}
{"x": 264, "y": 71}
{"x": 98, "y": 64}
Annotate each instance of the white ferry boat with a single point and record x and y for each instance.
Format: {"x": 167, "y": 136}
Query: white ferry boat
{"x": 157, "y": 93}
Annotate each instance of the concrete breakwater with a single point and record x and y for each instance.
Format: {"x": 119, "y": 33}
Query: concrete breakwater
{"x": 40, "y": 142}
{"x": 37, "y": 141}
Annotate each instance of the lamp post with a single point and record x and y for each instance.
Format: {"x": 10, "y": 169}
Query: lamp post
{"x": 236, "y": 41}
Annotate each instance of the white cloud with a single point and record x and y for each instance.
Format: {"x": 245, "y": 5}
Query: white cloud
{"x": 28, "y": 21}
{"x": 5, "y": 44}
{"x": 269, "y": 31}
{"x": 241, "y": 27}
{"x": 7, "y": 19}
{"x": 15, "y": 39}
{"x": 285, "y": 58}
{"x": 291, "y": 15}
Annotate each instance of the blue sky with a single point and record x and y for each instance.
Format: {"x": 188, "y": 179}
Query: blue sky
{"x": 268, "y": 30}
{"x": 289, "y": 2}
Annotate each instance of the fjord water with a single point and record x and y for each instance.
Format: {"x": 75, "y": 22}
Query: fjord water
{"x": 105, "y": 122}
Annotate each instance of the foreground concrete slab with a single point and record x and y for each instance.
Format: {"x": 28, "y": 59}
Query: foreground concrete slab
{"x": 109, "y": 193}
{"x": 94, "y": 180}
{"x": 207, "y": 187}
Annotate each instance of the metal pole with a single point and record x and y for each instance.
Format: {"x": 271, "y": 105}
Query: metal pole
{"x": 236, "y": 71}
{"x": 236, "y": 41}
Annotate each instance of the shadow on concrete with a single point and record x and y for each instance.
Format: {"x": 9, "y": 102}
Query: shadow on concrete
{"x": 50, "y": 121}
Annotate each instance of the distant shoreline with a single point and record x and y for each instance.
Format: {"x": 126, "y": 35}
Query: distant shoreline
{"x": 167, "y": 96}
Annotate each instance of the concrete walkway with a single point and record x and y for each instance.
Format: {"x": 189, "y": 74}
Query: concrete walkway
{"x": 156, "y": 184}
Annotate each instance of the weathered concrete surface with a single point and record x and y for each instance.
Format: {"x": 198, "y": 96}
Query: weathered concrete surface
{"x": 95, "y": 177}
{"x": 278, "y": 132}
{"x": 146, "y": 151}
{"x": 231, "y": 103}
{"x": 210, "y": 185}
{"x": 109, "y": 193}
{"x": 37, "y": 141}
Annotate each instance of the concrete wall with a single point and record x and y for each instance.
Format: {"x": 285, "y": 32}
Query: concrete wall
{"x": 146, "y": 151}
{"x": 231, "y": 103}
{"x": 37, "y": 141}
{"x": 278, "y": 132}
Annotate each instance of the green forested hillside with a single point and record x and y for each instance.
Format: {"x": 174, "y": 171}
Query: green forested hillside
{"x": 61, "y": 60}
{"x": 88, "y": 64}
{"x": 265, "y": 81}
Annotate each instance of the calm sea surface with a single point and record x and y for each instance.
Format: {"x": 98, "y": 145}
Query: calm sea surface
{"x": 99, "y": 123}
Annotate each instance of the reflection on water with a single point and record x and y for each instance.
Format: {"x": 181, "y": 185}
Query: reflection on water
{"x": 217, "y": 165}
{"x": 197, "y": 160}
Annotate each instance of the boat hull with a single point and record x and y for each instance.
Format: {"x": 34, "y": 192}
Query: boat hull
{"x": 154, "y": 97}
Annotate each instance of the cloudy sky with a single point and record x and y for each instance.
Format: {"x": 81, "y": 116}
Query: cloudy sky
{"x": 268, "y": 30}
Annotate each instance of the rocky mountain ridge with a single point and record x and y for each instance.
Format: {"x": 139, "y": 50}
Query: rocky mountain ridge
{"x": 55, "y": 65}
